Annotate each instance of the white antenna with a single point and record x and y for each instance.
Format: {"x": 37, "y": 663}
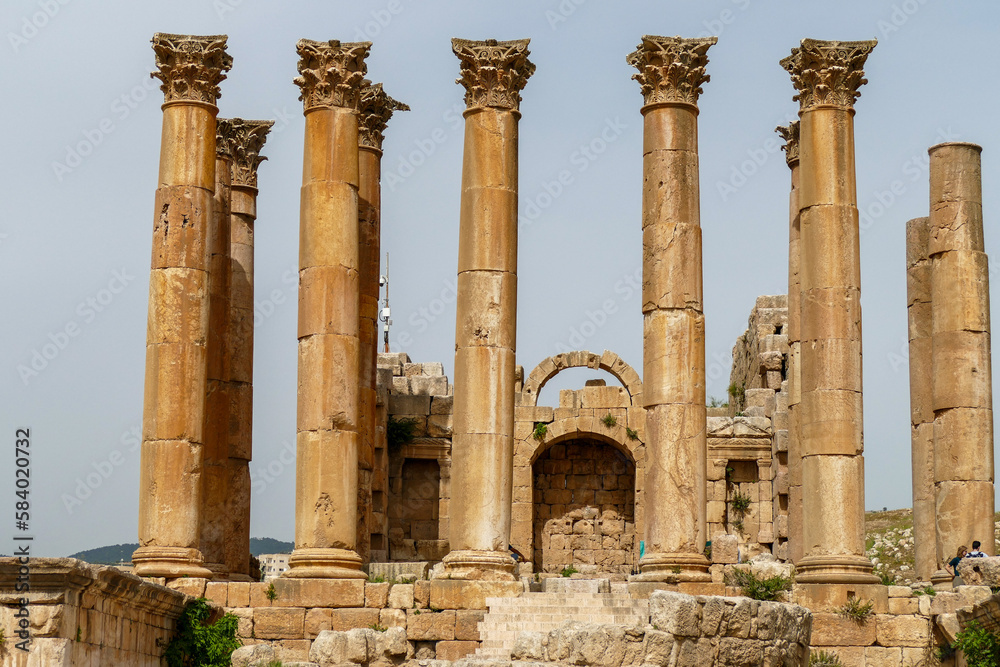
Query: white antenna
{"x": 384, "y": 314}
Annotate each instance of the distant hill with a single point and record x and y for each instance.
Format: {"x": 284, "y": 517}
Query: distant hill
{"x": 117, "y": 553}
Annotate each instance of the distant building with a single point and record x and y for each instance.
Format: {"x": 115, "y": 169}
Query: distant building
{"x": 273, "y": 565}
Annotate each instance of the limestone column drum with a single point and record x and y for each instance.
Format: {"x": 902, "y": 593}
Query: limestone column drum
{"x": 245, "y": 139}
{"x": 170, "y": 483}
{"x": 331, "y": 77}
{"x": 960, "y": 339}
{"x": 791, "y": 136}
{"x": 671, "y": 73}
{"x": 493, "y": 74}
{"x": 827, "y": 75}
{"x": 376, "y": 108}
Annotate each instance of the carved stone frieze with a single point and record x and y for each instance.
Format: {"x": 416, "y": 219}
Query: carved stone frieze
{"x": 331, "y": 74}
{"x": 671, "y": 69}
{"x": 493, "y": 73}
{"x": 241, "y": 141}
{"x": 190, "y": 66}
{"x": 828, "y": 72}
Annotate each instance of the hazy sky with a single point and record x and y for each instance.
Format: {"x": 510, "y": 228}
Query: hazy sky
{"x": 81, "y": 141}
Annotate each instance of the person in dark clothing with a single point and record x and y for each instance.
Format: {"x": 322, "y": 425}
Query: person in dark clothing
{"x": 953, "y": 563}
{"x": 975, "y": 553}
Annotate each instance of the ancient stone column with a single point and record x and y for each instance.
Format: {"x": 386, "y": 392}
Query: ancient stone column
{"x": 671, "y": 72}
{"x": 960, "y": 339}
{"x": 493, "y": 74}
{"x": 326, "y": 491}
{"x": 791, "y": 136}
{"x": 170, "y": 483}
{"x": 376, "y": 108}
{"x": 244, "y": 140}
{"x": 827, "y": 76}
{"x": 215, "y": 465}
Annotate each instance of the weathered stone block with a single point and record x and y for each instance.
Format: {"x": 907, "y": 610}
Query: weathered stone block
{"x": 455, "y": 650}
{"x": 467, "y": 624}
{"x": 903, "y": 630}
{"x": 319, "y": 593}
{"x": 376, "y": 595}
{"x": 458, "y": 594}
{"x": 316, "y": 621}
{"x": 239, "y": 594}
{"x": 349, "y": 619}
{"x": 401, "y": 596}
{"x": 725, "y": 548}
{"x": 279, "y": 623}
{"x": 833, "y": 629}
{"x": 427, "y": 625}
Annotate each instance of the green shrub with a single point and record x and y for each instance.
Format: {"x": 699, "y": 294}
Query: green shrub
{"x": 857, "y": 610}
{"x": 740, "y": 504}
{"x": 541, "y": 429}
{"x": 198, "y": 644}
{"x": 738, "y": 392}
{"x": 824, "y": 659}
{"x": 271, "y": 594}
{"x": 631, "y": 433}
{"x": 887, "y": 578}
{"x": 400, "y": 432}
{"x": 980, "y": 646}
{"x": 569, "y": 571}
{"x": 609, "y": 420}
{"x": 756, "y": 587}
{"x": 378, "y": 628}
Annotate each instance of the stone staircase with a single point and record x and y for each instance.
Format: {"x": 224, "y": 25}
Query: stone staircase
{"x": 561, "y": 600}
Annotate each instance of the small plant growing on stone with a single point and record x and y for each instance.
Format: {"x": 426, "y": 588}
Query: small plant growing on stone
{"x": 379, "y": 579}
{"x": 676, "y": 569}
{"x": 270, "y": 593}
{"x": 714, "y": 402}
{"x": 737, "y": 391}
{"x": 857, "y": 610}
{"x": 400, "y": 432}
{"x": 758, "y": 588}
{"x": 541, "y": 429}
{"x": 980, "y": 646}
{"x": 198, "y": 644}
{"x": 738, "y": 526}
{"x": 887, "y": 578}
{"x": 609, "y": 420}
{"x": 631, "y": 433}
{"x": 569, "y": 571}
{"x": 378, "y": 628}
{"x": 3, "y": 638}
{"x": 740, "y": 504}
{"x": 824, "y": 659}
{"x": 927, "y": 590}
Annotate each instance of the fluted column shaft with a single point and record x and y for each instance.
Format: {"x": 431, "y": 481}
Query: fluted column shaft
{"x": 960, "y": 340}
{"x": 493, "y": 73}
{"x": 170, "y": 483}
{"x": 827, "y": 75}
{"x": 326, "y": 490}
{"x": 673, "y": 319}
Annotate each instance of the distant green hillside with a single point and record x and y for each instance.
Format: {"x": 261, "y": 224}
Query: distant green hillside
{"x": 123, "y": 552}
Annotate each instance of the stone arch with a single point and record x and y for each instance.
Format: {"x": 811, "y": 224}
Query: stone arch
{"x": 608, "y": 361}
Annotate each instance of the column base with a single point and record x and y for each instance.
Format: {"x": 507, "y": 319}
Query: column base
{"x": 673, "y": 568}
{"x": 324, "y": 564}
{"x": 943, "y": 580}
{"x": 219, "y": 571}
{"x": 479, "y": 566}
{"x": 835, "y": 570}
{"x": 169, "y": 562}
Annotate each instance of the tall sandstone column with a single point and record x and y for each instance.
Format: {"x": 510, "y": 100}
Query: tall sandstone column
{"x": 827, "y": 76}
{"x": 376, "y": 108}
{"x": 791, "y": 136}
{"x": 245, "y": 139}
{"x": 215, "y": 470}
{"x": 918, "y": 310}
{"x": 493, "y": 74}
{"x": 170, "y": 482}
{"x": 326, "y": 489}
{"x": 960, "y": 340}
{"x": 671, "y": 72}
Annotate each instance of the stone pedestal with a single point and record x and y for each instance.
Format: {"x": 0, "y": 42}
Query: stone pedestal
{"x": 245, "y": 139}
{"x": 170, "y": 485}
{"x": 493, "y": 74}
{"x": 376, "y": 108}
{"x": 326, "y": 483}
{"x": 827, "y": 76}
{"x": 671, "y": 72}
{"x": 961, "y": 376}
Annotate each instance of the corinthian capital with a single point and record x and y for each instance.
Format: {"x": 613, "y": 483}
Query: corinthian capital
{"x": 190, "y": 66}
{"x": 790, "y": 133}
{"x": 376, "y": 108}
{"x": 331, "y": 74}
{"x": 241, "y": 141}
{"x": 493, "y": 73}
{"x": 828, "y": 73}
{"x": 671, "y": 69}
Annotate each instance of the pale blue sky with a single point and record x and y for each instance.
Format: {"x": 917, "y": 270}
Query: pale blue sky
{"x": 81, "y": 141}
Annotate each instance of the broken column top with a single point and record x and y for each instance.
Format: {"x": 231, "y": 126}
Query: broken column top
{"x": 191, "y": 66}
{"x": 493, "y": 73}
{"x": 790, "y": 133}
{"x": 241, "y": 141}
{"x": 671, "y": 69}
{"x": 331, "y": 73}
{"x": 828, "y": 73}
{"x": 376, "y": 108}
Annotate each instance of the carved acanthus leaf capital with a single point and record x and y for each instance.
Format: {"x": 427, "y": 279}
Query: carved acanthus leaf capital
{"x": 493, "y": 73}
{"x": 241, "y": 141}
{"x": 671, "y": 69}
{"x": 376, "y": 108}
{"x": 191, "y": 66}
{"x": 790, "y": 133}
{"x": 331, "y": 74}
{"x": 828, "y": 72}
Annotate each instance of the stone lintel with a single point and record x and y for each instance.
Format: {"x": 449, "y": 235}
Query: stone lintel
{"x": 241, "y": 141}
{"x": 828, "y": 73}
{"x": 790, "y": 133}
{"x": 190, "y": 66}
{"x": 332, "y": 73}
{"x": 376, "y": 108}
{"x": 493, "y": 72}
{"x": 671, "y": 69}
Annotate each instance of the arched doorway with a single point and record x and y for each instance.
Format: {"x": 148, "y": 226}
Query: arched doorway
{"x": 584, "y": 508}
